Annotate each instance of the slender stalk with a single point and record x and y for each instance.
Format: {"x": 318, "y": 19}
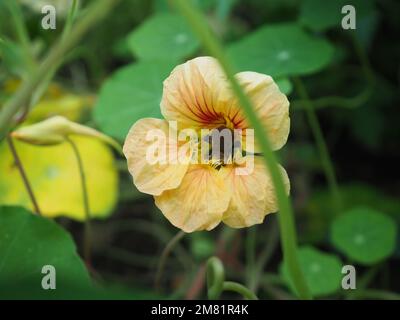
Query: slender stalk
{"x": 87, "y": 246}
{"x": 215, "y": 278}
{"x": 152, "y": 229}
{"x": 336, "y": 101}
{"x": 94, "y": 13}
{"x": 321, "y": 144}
{"x": 363, "y": 57}
{"x": 364, "y": 281}
{"x": 237, "y": 287}
{"x": 24, "y": 177}
{"x": 276, "y": 292}
{"x": 44, "y": 83}
{"x": 376, "y": 294}
{"x": 251, "y": 239}
{"x": 288, "y": 231}
{"x": 164, "y": 256}
{"x": 216, "y": 283}
{"x": 272, "y": 242}
{"x": 22, "y": 32}
{"x": 70, "y": 18}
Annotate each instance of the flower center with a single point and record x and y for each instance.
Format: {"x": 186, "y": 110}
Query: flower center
{"x": 222, "y": 146}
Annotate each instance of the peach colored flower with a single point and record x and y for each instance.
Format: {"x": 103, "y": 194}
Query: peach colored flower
{"x": 199, "y": 196}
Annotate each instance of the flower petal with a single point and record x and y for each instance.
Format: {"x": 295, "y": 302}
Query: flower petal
{"x": 199, "y": 202}
{"x": 195, "y": 94}
{"x": 253, "y": 196}
{"x": 152, "y": 178}
{"x": 271, "y": 106}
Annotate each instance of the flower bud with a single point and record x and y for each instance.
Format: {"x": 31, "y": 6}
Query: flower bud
{"x": 56, "y": 130}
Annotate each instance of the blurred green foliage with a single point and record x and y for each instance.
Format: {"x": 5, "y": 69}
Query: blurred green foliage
{"x": 323, "y": 272}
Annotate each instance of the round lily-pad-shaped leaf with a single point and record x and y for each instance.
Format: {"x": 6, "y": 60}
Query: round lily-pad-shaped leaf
{"x": 164, "y": 36}
{"x": 132, "y": 93}
{"x": 364, "y": 235}
{"x": 281, "y": 50}
{"x": 322, "y": 15}
{"x": 54, "y": 176}
{"x": 322, "y": 271}
{"x": 27, "y": 244}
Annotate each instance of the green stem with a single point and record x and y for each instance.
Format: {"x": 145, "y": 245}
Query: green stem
{"x": 128, "y": 257}
{"x": 288, "y": 231}
{"x": 376, "y": 294}
{"x": 44, "y": 83}
{"x": 363, "y": 282}
{"x": 22, "y": 32}
{"x": 237, "y": 287}
{"x": 321, "y": 144}
{"x": 215, "y": 278}
{"x": 273, "y": 279}
{"x": 216, "y": 283}
{"x": 152, "y": 229}
{"x": 165, "y": 254}
{"x": 251, "y": 239}
{"x": 272, "y": 242}
{"x": 362, "y": 56}
{"x": 24, "y": 177}
{"x": 21, "y": 99}
{"x": 70, "y": 19}
{"x": 336, "y": 101}
{"x": 88, "y": 229}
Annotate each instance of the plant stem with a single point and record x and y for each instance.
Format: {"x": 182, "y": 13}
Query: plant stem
{"x": 251, "y": 239}
{"x": 336, "y": 101}
{"x": 363, "y": 57}
{"x": 164, "y": 256}
{"x": 22, "y": 33}
{"x": 288, "y": 231}
{"x": 321, "y": 144}
{"x": 215, "y": 274}
{"x": 237, "y": 287}
{"x": 216, "y": 282}
{"x": 94, "y": 13}
{"x": 44, "y": 83}
{"x": 265, "y": 255}
{"x": 88, "y": 229}
{"x": 24, "y": 177}
{"x": 70, "y": 18}
{"x": 152, "y": 229}
{"x": 376, "y": 294}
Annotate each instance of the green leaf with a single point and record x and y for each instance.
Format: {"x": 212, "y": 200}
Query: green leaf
{"x": 29, "y": 242}
{"x": 12, "y": 56}
{"x": 203, "y": 5}
{"x": 164, "y": 36}
{"x": 54, "y": 169}
{"x": 322, "y": 271}
{"x": 322, "y": 15}
{"x": 316, "y": 225}
{"x": 284, "y": 85}
{"x": 364, "y": 235}
{"x": 132, "y": 93}
{"x": 281, "y": 50}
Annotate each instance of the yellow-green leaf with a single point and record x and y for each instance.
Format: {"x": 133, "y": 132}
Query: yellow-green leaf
{"x": 53, "y": 173}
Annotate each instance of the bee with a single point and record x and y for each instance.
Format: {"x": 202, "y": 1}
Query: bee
{"x": 216, "y": 163}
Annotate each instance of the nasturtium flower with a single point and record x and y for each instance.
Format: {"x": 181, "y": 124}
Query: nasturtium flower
{"x": 198, "y": 196}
